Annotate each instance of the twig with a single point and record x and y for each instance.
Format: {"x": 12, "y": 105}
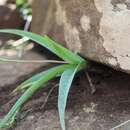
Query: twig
{"x": 42, "y": 107}
{"x": 93, "y": 89}
{"x": 120, "y": 125}
{"x": 33, "y": 61}
{"x": 46, "y": 99}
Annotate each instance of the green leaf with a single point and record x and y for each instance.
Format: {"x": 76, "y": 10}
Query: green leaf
{"x": 20, "y": 2}
{"x": 35, "y": 83}
{"x": 30, "y": 91}
{"x": 64, "y": 87}
{"x": 65, "y": 53}
{"x": 31, "y": 81}
{"x": 45, "y": 41}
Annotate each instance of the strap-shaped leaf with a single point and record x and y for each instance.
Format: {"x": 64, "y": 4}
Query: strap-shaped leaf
{"x": 45, "y": 41}
{"x": 64, "y": 87}
{"x": 30, "y": 91}
{"x": 68, "y": 55}
{"x": 32, "y": 80}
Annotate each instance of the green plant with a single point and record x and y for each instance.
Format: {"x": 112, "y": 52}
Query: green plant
{"x": 73, "y": 64}
{"x": 24, "y": 8}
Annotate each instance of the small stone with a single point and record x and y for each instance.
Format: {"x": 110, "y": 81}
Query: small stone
{"x": 30, "y": 117}
{"x": 90, "y": 109}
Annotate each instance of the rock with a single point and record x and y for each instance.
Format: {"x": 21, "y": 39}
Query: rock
{"x": 11, "y": 1}
{"x": 97, "y": 29}
{"x": 9, "y": 17}
{"x": 30, "y": 2}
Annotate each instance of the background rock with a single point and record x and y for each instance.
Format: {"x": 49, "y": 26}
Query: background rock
{"x": 9, "y": 18}
{"x": 97, "y": 29}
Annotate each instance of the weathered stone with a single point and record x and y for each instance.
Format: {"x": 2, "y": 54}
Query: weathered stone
{"x": 9, "y": 17}
{"x": 97, "y": 29}
{"x": 30, "y": 1}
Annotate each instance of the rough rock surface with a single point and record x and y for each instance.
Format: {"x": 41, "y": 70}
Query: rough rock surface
{"x": 9, "y": 17}
{"x": 97, "y": 29}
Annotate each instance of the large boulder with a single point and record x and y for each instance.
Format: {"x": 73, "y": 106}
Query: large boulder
{"x": 97, "y": 29}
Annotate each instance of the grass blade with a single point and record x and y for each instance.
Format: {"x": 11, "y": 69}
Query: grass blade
{"x": 33, "y": 84}
{"x": 64, "y": 87}
{"x": 65, "y": 53}
{"x": 45, "y": 41}
{"x": 32, "y": 80}
{"x": 30, "y": 91}
{"x": 4, "y": 59}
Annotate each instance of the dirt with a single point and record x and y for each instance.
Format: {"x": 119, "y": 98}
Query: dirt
{"x": 105, "y": 109}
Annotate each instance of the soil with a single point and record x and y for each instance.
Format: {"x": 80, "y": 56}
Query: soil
{"x": 105, "y": 109}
